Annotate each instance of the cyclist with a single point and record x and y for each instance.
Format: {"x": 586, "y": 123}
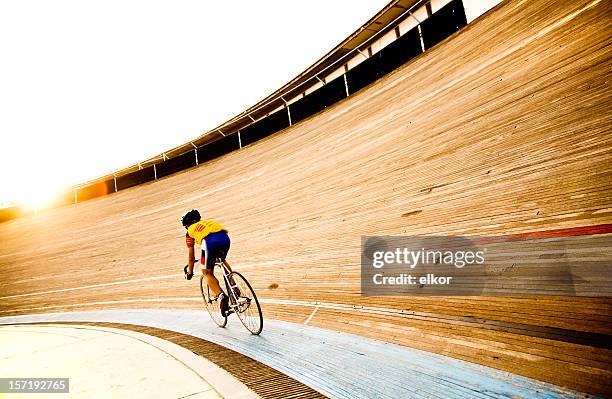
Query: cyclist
{"x": 215, "y": 243}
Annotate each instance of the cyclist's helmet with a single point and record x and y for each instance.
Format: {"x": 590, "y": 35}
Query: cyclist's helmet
{"x": 190, "y": 218}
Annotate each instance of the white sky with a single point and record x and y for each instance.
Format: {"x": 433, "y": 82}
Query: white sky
{"x": 87, "y": 87}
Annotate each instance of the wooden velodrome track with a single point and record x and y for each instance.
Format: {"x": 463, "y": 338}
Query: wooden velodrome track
{"x": 502, "y": 129}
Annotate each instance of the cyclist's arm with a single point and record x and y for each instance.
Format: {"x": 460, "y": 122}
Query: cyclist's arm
{"x": 191, "y": 250}
{"x": 191, "y": 259}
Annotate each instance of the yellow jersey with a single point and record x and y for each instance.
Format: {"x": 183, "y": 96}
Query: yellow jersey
{"x": 198, "y": 231}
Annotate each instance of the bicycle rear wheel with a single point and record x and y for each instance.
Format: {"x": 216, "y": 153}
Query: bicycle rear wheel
{"x": 246, "y": 306}
{"x": 212, "y": 306}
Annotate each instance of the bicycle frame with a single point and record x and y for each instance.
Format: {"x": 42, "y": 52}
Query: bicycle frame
{"x": 242, "y": 299}
{"x": 228, "y": 286}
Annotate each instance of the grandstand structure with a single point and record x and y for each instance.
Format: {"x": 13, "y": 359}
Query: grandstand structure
{"x": 420, "y": 123}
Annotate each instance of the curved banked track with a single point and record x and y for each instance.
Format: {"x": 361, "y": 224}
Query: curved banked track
{"x": 261, "y": 379}
{"x": 504, "y": 128}
{"x": 336, "y": 364}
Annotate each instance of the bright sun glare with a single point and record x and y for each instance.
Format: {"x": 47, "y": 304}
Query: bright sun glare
{"x": 80, "y": 100}
{"x": 35, "y": 194}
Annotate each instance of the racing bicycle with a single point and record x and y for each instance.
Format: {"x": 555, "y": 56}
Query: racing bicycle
{"x": 242, "y": 300}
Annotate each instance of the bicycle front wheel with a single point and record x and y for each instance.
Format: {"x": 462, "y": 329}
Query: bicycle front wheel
{"x": 212, "y": 305}
{"x": 245, "y": 304}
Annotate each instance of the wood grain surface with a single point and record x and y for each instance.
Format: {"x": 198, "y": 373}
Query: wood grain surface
{"x": 504, "y": 128}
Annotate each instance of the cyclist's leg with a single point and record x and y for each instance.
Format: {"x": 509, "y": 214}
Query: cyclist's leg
{"x": 212, "y": 282}
{"x": 224, "y": 246}
{"x": 208, "y": 268}
{"x": 214, "y": 248}
{"x": 219, "y": 244}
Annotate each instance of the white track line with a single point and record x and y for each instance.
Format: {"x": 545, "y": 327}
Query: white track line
{"x": 105, "y": 303}
{"x": 316, "y": 305}
{"x": 137, "y": 280}
{"x": 311, "y": 315}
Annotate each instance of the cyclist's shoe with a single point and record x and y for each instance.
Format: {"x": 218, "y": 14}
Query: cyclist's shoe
{"x": 187, "y": 275}
{"x": 223, "y": 304}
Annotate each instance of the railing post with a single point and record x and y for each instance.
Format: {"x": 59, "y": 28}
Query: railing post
{"x": 288, "y": 110}
{"x": 195, "y": 151}
{"x": 115, "y": 180}
{"x": 288, "y": 114}
{"x": 361, "y": 52}
{"x": 345, "y": 85}
{"x": 239, "y": 140}
{"x": 419, "y": 29}
{"x": 421, "y": 38}
{"x": 155, "y": 171}
{"x": 75, "y": 196}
